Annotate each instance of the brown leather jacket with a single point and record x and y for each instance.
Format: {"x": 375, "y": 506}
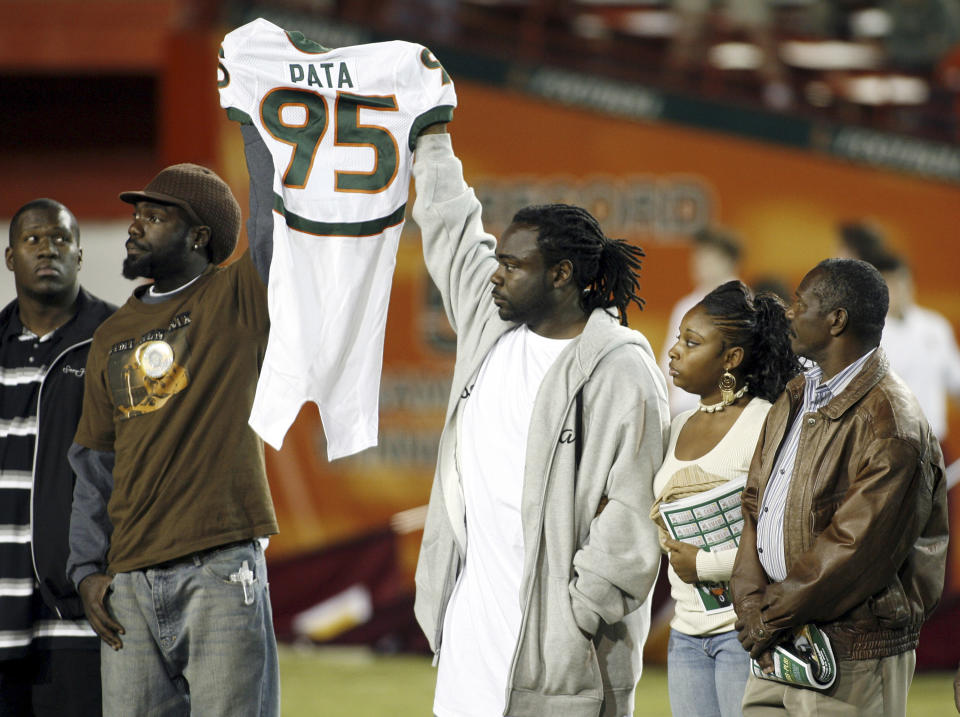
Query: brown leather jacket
{"x": 865, "y": 525}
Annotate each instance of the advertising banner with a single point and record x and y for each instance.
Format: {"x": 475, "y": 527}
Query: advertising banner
{"x": 653, "y": 184}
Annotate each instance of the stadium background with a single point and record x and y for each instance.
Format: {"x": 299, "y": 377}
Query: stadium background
{"x": 97, "y": 96}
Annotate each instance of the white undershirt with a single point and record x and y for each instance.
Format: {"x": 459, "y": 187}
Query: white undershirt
{"x": 482, "y": 621}
{"x": 152, "y": 296}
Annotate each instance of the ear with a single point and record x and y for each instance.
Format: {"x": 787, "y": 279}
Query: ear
{"x": 79, "y": 256}
{"x": 8, "y": 255}
{"x": 732, "y": 358}
{"x": 561, "y": 273}
{"x": 839, "y": 320}
{"x": 201, "y": 236}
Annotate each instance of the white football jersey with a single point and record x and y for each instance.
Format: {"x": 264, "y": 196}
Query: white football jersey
{"x": 340, "y": 126}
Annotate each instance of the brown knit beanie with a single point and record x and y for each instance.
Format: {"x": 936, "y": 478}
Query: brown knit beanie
{"x": 205, "y": 198}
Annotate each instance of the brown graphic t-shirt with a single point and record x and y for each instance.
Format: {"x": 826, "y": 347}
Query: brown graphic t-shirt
{"x": 169, "y": 387}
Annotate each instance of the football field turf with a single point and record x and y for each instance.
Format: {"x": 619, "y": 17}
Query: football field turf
{"x": 355, "y": 682}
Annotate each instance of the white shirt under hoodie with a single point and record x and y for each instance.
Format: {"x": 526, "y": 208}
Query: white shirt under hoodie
{"x": 729, "y": 459}
{"x": 483, "y": 619}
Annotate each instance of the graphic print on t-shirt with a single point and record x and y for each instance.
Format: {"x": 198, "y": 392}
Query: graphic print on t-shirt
{"x": 144, "y": 374}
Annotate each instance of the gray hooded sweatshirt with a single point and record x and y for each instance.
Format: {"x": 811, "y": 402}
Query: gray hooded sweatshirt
{"x": 583, "y": 572}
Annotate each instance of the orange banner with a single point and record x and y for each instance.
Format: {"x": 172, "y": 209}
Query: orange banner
{"x": 650, "y": 183}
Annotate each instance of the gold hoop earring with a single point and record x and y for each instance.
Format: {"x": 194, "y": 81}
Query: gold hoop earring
{"x": 727, "y": 385}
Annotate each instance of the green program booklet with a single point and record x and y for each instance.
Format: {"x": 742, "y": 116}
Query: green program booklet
{"x": 710, "y": 520}
{"x": 805, "y": 660}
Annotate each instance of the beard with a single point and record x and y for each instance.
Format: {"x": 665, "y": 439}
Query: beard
{"x": 134, "y": 268}
{"x": 155, "y": 260}
{"x": 529, "y": 307}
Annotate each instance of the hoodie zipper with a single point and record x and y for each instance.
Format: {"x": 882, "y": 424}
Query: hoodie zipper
{"x": 33, "y": 468}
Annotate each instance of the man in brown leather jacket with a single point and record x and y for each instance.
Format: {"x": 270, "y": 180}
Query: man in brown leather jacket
{"x": 845, "y": 520}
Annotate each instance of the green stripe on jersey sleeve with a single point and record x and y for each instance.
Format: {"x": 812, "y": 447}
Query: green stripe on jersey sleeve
{"x": 441, "y": 113}
{"x": 304, "y": 44}
{"x": 238, "y": 116}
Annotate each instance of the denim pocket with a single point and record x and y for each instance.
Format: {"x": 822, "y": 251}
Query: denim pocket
{"x": 226, "y": 564}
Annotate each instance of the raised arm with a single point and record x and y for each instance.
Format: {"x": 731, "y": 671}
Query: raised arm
{"x": 260, "y": 221}
{"x": 458, "y": 252}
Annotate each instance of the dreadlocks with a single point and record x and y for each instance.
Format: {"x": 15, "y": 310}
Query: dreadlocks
{"x": 607, "y": 271}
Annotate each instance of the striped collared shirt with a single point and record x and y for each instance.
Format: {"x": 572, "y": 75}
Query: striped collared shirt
{"x": 25, "y": 620}
{"x": 770, "y": 522}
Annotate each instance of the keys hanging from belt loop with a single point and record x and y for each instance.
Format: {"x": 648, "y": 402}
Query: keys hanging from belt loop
{"x": 244, "y": 576}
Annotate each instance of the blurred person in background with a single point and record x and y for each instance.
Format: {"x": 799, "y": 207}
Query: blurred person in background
{"x": 770, "y": 284}
{"x": 714, "y": 260}
{"x": 734, "y": 354}
{"x": 920, "y": 344}
{"x": 49, "y": 654}
{"x": 860, "y": 239}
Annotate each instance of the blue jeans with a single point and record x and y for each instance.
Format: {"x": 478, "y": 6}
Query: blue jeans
{"x": 193, "y": 645}
{"x": 706, "y": 675}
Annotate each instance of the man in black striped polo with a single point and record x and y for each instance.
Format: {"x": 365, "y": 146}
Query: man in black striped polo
{"x": 49, "y": 655}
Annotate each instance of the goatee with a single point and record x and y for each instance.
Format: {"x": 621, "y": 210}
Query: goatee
{"x": 130, "y": 269}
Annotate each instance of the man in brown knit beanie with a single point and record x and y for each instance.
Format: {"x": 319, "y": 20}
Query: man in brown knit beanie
{"x": 171, "y": 501}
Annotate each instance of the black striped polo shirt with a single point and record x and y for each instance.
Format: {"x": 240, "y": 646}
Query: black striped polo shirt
{"x": 25, "y": 621}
